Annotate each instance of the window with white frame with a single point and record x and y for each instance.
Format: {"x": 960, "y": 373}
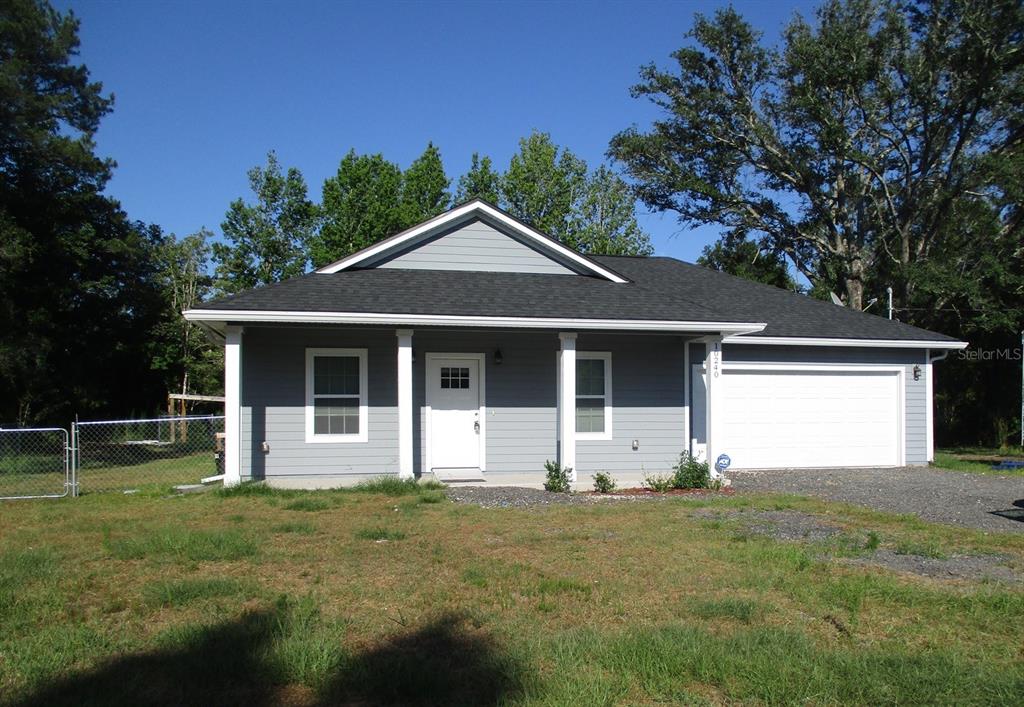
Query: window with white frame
{"x": 593, "y": 395}
{"x": 336, "y": 407}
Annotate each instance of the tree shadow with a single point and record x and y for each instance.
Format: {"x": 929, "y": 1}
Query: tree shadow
{"x": 447, "y": 662}
{"x": 1016, "y": 513}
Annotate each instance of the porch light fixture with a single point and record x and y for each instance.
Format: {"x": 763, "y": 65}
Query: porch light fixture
{"x": 917, "y": 373}
{"x": 498, "y": 357}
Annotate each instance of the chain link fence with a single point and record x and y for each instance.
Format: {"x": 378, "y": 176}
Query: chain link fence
{"x": 127, "y": 455}
{"x": 34, "y": 463}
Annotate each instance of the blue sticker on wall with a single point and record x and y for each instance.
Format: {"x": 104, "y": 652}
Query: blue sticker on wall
{"x": 723, "y": 462}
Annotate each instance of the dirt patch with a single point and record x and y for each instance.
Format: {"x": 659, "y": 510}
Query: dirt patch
{"x": 837, "y": 541}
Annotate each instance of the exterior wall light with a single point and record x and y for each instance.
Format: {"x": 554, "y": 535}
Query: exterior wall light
{"x": 498, "y": 358}
{"x": 917, "y": 373}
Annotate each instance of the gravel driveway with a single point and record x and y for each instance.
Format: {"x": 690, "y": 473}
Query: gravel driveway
{"x": 958, "y": 498}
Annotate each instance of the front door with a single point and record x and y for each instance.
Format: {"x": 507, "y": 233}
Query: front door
{"x": 456, "y": 428}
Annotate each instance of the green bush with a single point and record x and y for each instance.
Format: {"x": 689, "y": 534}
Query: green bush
{"x": 690, "y": 473}
{"x": 658, "y": 483}
{"x": 603, "y": 482}
{"x": 558, "y": 477}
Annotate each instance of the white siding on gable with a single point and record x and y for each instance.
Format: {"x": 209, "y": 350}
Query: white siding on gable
{"x": 476, "y": 246}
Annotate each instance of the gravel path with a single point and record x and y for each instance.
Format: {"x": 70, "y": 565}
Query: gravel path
{"x": 957, "y": 498}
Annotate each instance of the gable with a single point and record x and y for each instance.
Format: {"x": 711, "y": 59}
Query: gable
{"x": 522, "y": 247}
{"x": 474, "y": 246}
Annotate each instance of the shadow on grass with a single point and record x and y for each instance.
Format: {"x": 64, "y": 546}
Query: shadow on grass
{"x": 443, "y": 663}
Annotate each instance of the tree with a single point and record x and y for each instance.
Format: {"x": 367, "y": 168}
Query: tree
{"x": 604, "y": 220}
{"x": 361, "y": 205}
{"x": 480, "y": 182}
{"x": 180, "y": 350}
{"x": 743, "y": 258}
{"x": 849, "y": 149}
{"x": 543, "y": 184}
{"x": 77, "y": 284}
{"x": 424, "y": 188}
{"x": 266, "y": 241}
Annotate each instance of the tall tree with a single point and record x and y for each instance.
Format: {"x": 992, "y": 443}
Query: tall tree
{"x": 480, "y": 182}
{"x": 181, "y": 352}
{"x": 424, "y": 188}
{"x": 744, "y": 258}
{"x": 77, "y": 285}
{"x": 361, "y": 205}
{"x": 266, "y": 241}
{"x": 604, "y": 219}
{"x": 543, "y": 184}
{"x": 848, "y": 149}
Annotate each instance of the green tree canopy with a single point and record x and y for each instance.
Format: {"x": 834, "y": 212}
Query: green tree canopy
{"x": 604, "y": 219}
{"x": 424, "y": 188}
{"x": 480, "y": 182}
{"x": 77, "y": 286}
{"x": 361, "y": 205}
{"x": 743, "y": 258}
{"x": 850, "y": 147}
{"x": 266, "y": 241}
{"x": 542, "y": 185}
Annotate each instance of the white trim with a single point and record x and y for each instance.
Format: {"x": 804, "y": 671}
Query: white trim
{"x": 363, "y": 434}
{"x": 901, "y": 385}
{"x": 405, "y": 415}
{"x": 467, "y": 211}
{"x": 481, "y": 359}
{"x": 687, "y": 426}
{"x": 261, "y": 316}
{"x": 233, "y": 405}
{"x": 566, "y": 393}
{"x": 605, "y": 356}
{"x": 929, "y": 411}
{"x": 714, "y": 408}
{"x": 856, "y": 343}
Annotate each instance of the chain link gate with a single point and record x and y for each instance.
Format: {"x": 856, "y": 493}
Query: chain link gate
{"x": 127, "y": 455}
{"x": 35, "y": 463}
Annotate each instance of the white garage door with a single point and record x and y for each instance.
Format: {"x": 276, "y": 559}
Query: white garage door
{"x": 809, "y": 418}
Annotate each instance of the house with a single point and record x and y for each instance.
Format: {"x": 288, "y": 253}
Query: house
{"x": 473, "y": 348}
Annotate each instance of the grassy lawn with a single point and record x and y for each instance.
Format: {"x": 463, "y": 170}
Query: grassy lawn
{"x": 977, "y": 460}
{"x": 397, "y": 596}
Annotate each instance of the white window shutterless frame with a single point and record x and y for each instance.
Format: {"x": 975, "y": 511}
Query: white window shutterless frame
{"x": 593, "y": 405}
{"x": 336, "y": 407}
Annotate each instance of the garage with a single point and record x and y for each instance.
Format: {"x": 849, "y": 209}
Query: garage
{"x": 807, "y": 416}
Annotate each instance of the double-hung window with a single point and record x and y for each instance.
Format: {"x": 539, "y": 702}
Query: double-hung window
{"x": 593, "y": 395}
{"x": 336, "y": 409}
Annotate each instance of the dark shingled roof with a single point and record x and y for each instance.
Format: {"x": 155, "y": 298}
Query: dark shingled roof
{"x": 660, "y": 288}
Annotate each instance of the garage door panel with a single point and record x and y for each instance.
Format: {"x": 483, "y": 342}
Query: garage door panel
{"x": 792, "y": 418}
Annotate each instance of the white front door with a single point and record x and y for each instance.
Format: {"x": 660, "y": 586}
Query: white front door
{"x": 455, "y": 425}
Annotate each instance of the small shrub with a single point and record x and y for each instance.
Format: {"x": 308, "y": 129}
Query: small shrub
{"x": 603, "y": 482}
{"x": 658, "y": 483}
{"x": 558, "y": 478}
{"x": 690, "y": 473}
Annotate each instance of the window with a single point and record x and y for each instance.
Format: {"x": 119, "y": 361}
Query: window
{"x": 454, "y": 377}
{"x": 336, "y": 407}
{"x": 593, "y": 395}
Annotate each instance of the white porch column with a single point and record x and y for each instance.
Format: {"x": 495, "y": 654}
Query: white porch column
{"x": 567, "y": 400}
{"x": 713, "y": 398}
{"x": 405, "y": 416}
{"x": 929, "y": 411}
{"x": 232, "y": 405}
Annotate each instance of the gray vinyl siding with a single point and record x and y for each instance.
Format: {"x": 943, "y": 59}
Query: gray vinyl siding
{"x": 648, "y": 406}
{"x": 476, "y": 246}
{"x": 274, "y": 400}
{"x": 915, "y": 426}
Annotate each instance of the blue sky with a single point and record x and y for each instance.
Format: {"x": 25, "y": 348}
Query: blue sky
{"x": 204, "y": 89}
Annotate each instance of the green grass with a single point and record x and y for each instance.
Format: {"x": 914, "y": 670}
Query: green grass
{"x": 976, "y": 461}
{"x": 308, "y": 504}
{"x": 379, "y": 533}
{"x": 232, "y": 598}
{"x": 182, "y": 592}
